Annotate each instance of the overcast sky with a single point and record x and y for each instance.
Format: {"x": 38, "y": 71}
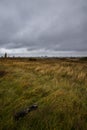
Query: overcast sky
{"x": 43, "y": 27}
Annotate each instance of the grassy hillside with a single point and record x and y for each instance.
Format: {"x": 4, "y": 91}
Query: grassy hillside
{"x": 58, "y": 86}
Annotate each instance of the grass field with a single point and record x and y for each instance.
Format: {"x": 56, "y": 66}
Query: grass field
{"x": 58, "y": 86}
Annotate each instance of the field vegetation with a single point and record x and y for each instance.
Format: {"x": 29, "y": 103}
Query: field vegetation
{"x": 57, "y": 86}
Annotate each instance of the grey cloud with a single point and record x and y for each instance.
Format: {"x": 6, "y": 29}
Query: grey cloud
{"x": 54, "y": 25}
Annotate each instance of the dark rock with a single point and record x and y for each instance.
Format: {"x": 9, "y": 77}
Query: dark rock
{"x": 33, "y": 107}
{"x": 24, "y": 112}
{"x": 20, "y": 114}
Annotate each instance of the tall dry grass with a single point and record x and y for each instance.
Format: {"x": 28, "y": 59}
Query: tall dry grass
{"x": 59, "y": 87}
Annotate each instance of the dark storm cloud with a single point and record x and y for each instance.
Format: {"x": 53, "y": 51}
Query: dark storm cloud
{"x": 53, "y": 25}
